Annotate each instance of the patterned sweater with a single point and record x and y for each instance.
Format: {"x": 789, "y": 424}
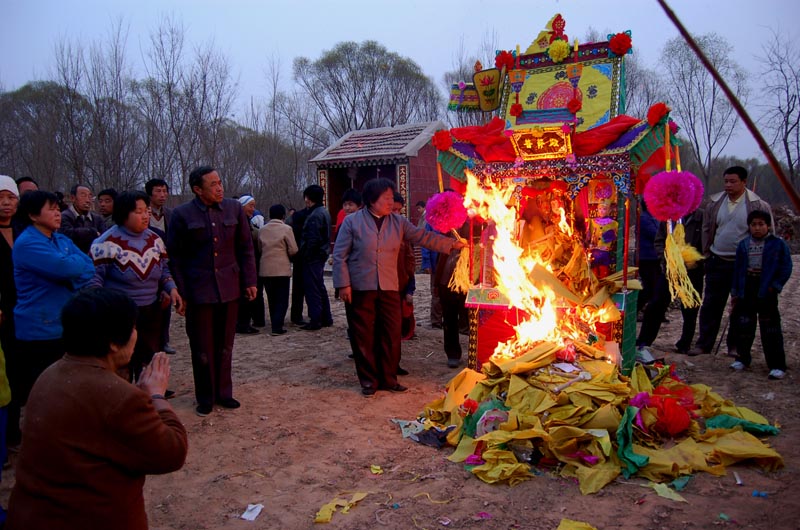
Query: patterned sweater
{"x": 136, "y": 264}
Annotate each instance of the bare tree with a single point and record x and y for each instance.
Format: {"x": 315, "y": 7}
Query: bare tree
{"x": 780, "y": 77}
{"x": 75, "y": 109}
{"x": 698, "y": 103}
{"x": 116, "y": 146}
{"x": 642, "y": 87}
{"x": 363, "y": 86}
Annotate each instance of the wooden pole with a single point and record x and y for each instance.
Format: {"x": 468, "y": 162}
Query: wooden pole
{"x": 773, "y": 161}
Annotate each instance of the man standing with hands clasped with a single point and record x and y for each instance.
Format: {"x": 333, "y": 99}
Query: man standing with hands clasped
{"x": 213, "y": 264}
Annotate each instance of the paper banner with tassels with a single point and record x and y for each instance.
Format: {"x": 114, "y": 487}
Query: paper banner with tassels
{"x": 669, "y": 196}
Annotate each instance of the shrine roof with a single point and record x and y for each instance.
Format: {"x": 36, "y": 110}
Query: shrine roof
{"x": 385, "y": 143}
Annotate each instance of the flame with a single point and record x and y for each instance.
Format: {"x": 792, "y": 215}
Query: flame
{"x": 550, "y": 280}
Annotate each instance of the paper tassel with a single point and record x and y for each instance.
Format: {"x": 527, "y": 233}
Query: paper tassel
{"x": 679, "y": 284}
{"x": 460, "y": 281}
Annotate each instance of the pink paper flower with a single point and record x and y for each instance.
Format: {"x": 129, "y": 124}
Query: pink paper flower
{"x": 445, "y": 211}
{"x": 670, "y": 194}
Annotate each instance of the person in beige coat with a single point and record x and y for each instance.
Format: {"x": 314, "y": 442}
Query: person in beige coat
{"x": 277, "y": 244}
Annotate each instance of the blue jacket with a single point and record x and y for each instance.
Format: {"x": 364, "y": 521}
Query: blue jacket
{"x": 47, "y": 271}
{"x": 776, "y": 266}
{"x": 429, "y": 257}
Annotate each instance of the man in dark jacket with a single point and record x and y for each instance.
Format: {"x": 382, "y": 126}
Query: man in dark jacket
{"x": 78, "y": 222}
{"x": 160, "y": 215}
{"x": 297, "y": 221}
{"x": 213, "y": 264}
{"x": 315, "y": 246}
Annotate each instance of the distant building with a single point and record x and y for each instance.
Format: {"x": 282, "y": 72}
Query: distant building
{"x": 402, "y": 154}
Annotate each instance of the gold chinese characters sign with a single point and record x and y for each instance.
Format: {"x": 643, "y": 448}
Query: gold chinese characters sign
{"x": 541, "y": 143}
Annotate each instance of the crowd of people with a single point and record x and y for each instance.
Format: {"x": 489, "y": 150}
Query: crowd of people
{"x": 86, "y": 297}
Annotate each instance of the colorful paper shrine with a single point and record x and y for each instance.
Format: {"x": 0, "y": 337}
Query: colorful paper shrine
{"x": 550, "y": 186}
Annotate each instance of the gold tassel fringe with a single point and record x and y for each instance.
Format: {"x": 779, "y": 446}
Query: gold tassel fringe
{"x": 460, "y": 281}
{"x": 679, "y": 284}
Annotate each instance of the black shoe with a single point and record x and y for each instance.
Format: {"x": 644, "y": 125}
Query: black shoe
{"x": 299, "y": 322}
{"x": 453, "y": 363}
{"x": 311, "y": 327}
{"x": 398, "y": 388}
{"x": 249, "y": 330}
{"x": 169, "y": 350}
{"x": 229, "y": 403}
{"x": 401, "y": 371}
{"x": 436, "y": 326}
{"x": 278, "y": 332}
{"x": 327, "y": 324}
{"x": 169, "y": 394}
{"x": 203, "y": 410}
{"x": 259, "y": 324}
{"x": 351, "y": 356}
{"x": 367, "y": 391}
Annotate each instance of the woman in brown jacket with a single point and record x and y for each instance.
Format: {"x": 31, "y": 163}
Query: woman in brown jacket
{"x": 90, "y": 437}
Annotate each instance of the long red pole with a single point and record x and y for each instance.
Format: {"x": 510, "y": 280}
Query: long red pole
{"x": 773, "y": 161}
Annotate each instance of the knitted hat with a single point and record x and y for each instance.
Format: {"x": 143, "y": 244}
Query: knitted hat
{"x": 246, "y": 199}
{"x": 8, "y": 184}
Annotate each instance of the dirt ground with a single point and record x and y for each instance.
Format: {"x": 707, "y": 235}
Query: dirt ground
{"x": 305, "y": 435}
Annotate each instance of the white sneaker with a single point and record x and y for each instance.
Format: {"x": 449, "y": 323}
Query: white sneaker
{"x": 644, "y": 356}
{"x": 776, "y": 374}
{"x": 738, "y": 366}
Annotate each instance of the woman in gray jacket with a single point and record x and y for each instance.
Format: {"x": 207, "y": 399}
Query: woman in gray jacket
{"x": 365, "y": 272}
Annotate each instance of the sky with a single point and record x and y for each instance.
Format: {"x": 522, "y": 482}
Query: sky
{"x": 253, "y": 32}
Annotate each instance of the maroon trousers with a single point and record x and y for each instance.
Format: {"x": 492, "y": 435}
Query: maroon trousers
{"x": 211, "y": 329}
{"x": 375, "y": 337}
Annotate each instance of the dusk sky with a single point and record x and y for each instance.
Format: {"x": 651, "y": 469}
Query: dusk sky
{"x": 250, "y": 32}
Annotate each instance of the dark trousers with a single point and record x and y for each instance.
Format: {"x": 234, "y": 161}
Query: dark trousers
{"x": 35, "y": 356}
{"x": 298, "y": 293}
{"x": 8, "y": 341}
{"x": 436, "y": 304}
{"x": 375, "y": 337}
{"x": 452, "y": 308}
{"x": 319, "y": 306}
{"x": 277, "y": 298}
{"x": 211, "y": 329}
{"x": 649, "y": 272}
{"x": 764, "y": 311}
{"x": 655, "y": 311}
{"x": 252, "y": 310}
{"x": 166, "y": 317}
{"x": 149, "y": 337}
{"x": 719, "y": 279}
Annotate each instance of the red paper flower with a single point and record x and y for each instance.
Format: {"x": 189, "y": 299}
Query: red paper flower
{"x": 442, "y": 140}
{"x": 505, "y": 60}
{"x": 516, "y": 110}
{"x": 656, "y": 113}
{"x": 470, "y": 405}
{"x": 574, "y": 105}
{"x": 620, "y": 43}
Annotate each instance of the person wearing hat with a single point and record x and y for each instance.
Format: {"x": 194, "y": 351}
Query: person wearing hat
{"x": 252, "y": 311}
{"x": 9, "y": 200}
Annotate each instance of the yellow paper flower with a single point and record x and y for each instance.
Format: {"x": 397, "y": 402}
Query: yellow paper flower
{"x": 558, "y": 50}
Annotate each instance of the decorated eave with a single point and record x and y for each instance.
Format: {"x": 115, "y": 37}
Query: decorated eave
{"x": 621, "y": 149}
{"x": 382, "y": 146}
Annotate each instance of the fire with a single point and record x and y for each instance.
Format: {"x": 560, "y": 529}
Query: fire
{"x": 548, "y": 279}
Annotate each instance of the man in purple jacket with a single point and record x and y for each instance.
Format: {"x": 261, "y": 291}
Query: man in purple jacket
{"x": 213, "y": 264}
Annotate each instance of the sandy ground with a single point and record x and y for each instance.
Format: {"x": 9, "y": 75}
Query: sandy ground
{"x": 305, "y": 435}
